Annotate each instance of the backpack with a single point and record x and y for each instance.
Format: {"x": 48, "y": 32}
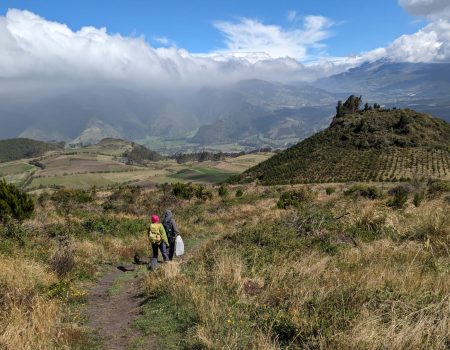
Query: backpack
{"x": 153, "y": 234}
{"x": 168, "y": 227}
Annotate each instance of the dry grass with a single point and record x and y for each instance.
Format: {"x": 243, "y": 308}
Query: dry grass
{"x": 28, "y": 320}
{"x": 389, "y": 292}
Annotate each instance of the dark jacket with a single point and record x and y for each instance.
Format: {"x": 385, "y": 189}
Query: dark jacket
{"x": 170, "y": 226}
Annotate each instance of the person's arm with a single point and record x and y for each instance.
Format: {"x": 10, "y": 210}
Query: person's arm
{"x": 148, "y": 235}
{"x": 163, "y": 234}
{"x": 175, "y": 228}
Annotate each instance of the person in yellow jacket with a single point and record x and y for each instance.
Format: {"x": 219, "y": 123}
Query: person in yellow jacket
{"x": 158, "y": 238}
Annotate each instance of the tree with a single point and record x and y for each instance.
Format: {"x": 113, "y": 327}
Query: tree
{"x": 339, "y": 109}
{"x": 14, "y": 203}
{"x": 351, "y": 105}
{"x": 366, "y": 107}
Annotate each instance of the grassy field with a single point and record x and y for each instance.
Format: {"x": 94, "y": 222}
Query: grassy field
{"x": 274, "y": 267}
{"x": 16, "y": 172}
{"x": 202, "y": 174}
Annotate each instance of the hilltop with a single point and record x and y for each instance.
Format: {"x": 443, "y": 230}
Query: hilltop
{"x": 19, "y": 148}
{"x": 372, "y": 145}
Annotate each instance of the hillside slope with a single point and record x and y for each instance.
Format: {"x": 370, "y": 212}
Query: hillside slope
{"x": 378, "y": 145}
{"x": 19, "y": 148}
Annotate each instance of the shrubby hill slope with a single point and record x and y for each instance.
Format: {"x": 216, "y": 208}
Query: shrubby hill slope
{"x": 19, "y": 148}
{"x": 375, "y": 145}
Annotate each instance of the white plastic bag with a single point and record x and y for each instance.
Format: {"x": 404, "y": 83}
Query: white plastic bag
{"x": 179, "y": 246}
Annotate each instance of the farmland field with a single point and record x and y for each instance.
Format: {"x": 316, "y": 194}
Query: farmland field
{"x": 101, "y": 165}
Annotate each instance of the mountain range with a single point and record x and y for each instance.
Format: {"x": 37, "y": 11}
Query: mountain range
{"x": 251, "y": 113}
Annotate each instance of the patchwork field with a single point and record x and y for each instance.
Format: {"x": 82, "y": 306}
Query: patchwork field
{"x": 102, "y": 165}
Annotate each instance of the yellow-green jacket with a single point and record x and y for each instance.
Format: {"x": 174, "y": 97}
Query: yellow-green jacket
{"x": 156, "y": 234}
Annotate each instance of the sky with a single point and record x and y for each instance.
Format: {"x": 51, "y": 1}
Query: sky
{"x": 165, "y": 42}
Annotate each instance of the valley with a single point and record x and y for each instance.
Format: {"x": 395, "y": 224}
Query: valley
{"x": 104, "y": 165}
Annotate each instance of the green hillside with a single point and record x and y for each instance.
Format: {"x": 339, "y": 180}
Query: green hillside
{"x": 376, "y": 145}
{"x": 19, "y": 148}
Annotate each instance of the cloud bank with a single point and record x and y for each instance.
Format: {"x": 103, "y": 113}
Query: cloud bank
{"x": 35, "y": 49}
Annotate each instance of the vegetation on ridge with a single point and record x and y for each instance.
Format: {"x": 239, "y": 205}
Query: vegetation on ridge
{"x": 375, "y": 145}
{"x": 19, "y": 148}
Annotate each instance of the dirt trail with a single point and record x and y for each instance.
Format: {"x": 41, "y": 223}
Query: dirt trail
{"x": 111, "y": 312}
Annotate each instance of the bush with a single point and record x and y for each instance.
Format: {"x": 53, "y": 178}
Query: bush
{"x": 202, "y": 193}
{"x": 400, "y": 197}
{"x": 295, "y": 198}
{"x": 437, "y": 187}
{"x": 239, "y": 192}
{"x": 184, "y": 191}
{"x": 14, "y": 203}
{"x": 330, "y": 190}
{"x": 370, "y": 192}
{"x": 418, "y": 198}
{"x": 222, "y": 191}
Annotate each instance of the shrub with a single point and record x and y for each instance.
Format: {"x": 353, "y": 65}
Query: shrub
{"x": 437, "y": 187}
{"x": 222, "y": 191}
{"x": 330, "y": 190}
{"x": 239, "y": 192}
{"x": 14, "y": 203}
{"x": 400, "y": 197}
{"x": 295, "y": 198}
{"x": 370, "y": 192}
{"x": 201, "y": 192}
{"x": 418, "y": 198}
{"x": 184, "y": 191}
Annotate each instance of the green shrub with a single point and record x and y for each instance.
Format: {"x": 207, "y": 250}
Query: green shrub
{"x": 66, "y": 195}
{"x": 400, "y": 197}
{"x": 418, "y": 198}
{"x": 295, "y": 198}
{"x": 370, "y": 192}
{"x": 222, "y": 191}
{"x": 437, "y": 187}
{"x": 239, "y": 192}
{"x": 184, "y": 191}
{"x": 14, "y": 203}
{"x": 330, "y": 190}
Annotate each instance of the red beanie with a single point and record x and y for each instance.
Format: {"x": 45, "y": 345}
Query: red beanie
{"x": 155, "y": 219}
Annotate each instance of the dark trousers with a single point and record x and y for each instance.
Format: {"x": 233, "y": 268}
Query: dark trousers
{"x": 162, "y": 247}
{"x": 171, "y": 248}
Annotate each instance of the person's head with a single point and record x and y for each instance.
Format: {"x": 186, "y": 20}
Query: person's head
{"x": 155, "y": 219}
{"x": 167, "y": 215}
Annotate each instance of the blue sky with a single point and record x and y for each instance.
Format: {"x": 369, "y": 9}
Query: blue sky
{"x": 359, "y": 25}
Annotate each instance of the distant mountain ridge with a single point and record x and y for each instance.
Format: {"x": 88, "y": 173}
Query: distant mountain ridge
{"x": 377, "y": 145}
{"x": 251, "y": 113}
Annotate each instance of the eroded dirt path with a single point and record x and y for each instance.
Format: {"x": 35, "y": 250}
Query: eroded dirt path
{"x": 112, "y": 307}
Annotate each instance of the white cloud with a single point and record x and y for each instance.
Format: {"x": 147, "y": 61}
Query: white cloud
{"x": 252, "y": 36}
{"x": 429, "y": 44}
{"x": 34, "y": 48}
{"x": 161, "y": 40}
{"x": 427, "y": 8}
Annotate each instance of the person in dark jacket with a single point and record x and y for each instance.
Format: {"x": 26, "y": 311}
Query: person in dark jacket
{"x": 172, "y": 231}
